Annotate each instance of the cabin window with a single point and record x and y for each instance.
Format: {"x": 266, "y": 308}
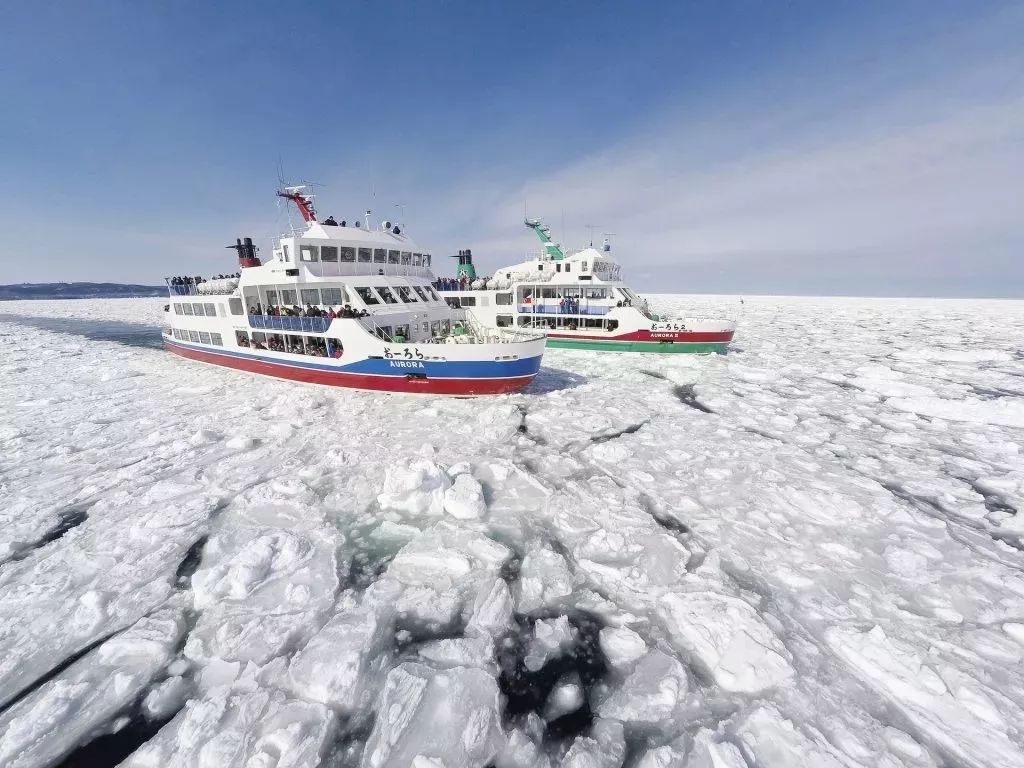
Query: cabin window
{"x": 417, "y": 259}
{"x": 259, "y": 337}
{"x": 368, "y": 296}
{"x": 309, "y": 253}
{"x": 405, "y": 294}
{"x": 235, "y": 305}
{"x": 193, "y": 336}
{"x": 328, "y": 253}
{"x": 204, "y": 337}
{"x": 525, "y": 321}
{"x": 198, "y": 309}
{"x": 310, "y": 296}
{"x": 287, "y": 255}
{"x": 348, "y": 255}
{"x": 469, "y": 301}
{"x": 387, "y": 295}
{"x": 568, "y": 267}
{"x": 272, "y": 298}
{"x": 596, "y": 293}
{"x": 421, "y": 293}
{"x": 242, "y": 338}
{"x": 380, "y": 256}
{"x": 393, "y": 257}
{"x": 288, "y": 297}
{"x": 216, "y": 339}
{"x": 503, "y": 298}
{"x": 211, "y": 310}
{"x": 583, "y": 266}
{"x": 331, "y": 296}
{"x": 426, "y": 259}
{"x": 504, "y": 321}
{"x": 406, "y": 258}
{"x": 548, "y": 293}
{"x": 186, "y": 309}
{"x": 613, "y": 324}
{"x": 540, "y": 267}
{"x": 558, "y": 267}
{"x": 177, "y": 309}
{"x": 591, "y": 322}
{"x": 365, "y": 255}
{"x": 433, "y": 293}
{"x": 401, "y": 333}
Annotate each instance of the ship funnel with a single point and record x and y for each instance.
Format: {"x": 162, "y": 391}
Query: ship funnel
{"x": 246, "y": 252}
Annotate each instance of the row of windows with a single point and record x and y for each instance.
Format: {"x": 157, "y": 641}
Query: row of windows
{"x": 209, "y": 310}
{"x": 346, "y": 255}
{"x": 565, "y": 292}
{"x": 199, "y": 337}
{"x": 571, "y": 323}
{"x": 333, "y": 297}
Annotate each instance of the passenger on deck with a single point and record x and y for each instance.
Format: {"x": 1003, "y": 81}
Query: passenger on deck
{"x": 330, "y": 222}
{"x": 252, "y": 310}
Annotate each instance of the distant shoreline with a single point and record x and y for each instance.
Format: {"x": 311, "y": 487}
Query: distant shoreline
{"x": 43, "y": 291}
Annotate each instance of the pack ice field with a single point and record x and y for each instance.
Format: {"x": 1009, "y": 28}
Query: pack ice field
{"x": 806, "y": 552}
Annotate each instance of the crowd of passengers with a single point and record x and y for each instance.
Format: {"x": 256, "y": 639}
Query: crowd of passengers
{"x": 310, "y": 311}
{"x": 315, "y": 347}
{"x": 456, "y": 283}
{"x": 189, "y": 280}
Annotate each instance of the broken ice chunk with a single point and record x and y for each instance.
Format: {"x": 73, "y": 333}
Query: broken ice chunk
{"x": 621, "y": 646}
{"x": 707, "y": 752}
{"x": 544, "y": 580}
{"x": 451, "y": 715}
{"x": 465, "y": 499}
{"x": 727, "y": 640}
{"x": 650, "y": 698}
{"x": 605, "y": 747}
{"x": 565, "y": 697}
{"x": 492, "y": 609}
{"x": 550, "y": 638}
{"x": 775, "y": 742}
{"x": 417, "y": 489}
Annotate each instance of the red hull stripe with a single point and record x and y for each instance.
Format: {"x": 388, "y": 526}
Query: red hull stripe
{"x": 679, "y": 337}
{"x": 357, "y": 380}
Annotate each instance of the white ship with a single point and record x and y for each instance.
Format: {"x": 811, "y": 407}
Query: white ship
{"x": 579, "y": 300}
{"x": 348, "y": 306}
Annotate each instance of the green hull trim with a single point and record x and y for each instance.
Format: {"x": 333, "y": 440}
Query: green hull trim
{"x": 658, "y": 347}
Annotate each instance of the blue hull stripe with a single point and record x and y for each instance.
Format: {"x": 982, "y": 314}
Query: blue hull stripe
{"x": 480, "y": 369}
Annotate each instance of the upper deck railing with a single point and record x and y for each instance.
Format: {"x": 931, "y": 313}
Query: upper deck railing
{"x": 288, "y": 323}
{"x": 557, "y": 309}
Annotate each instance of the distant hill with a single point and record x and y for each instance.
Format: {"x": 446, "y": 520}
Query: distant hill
{"x": 78, "y": 291}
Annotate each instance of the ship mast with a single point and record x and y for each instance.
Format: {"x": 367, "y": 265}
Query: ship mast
{"x": 544, "y": 233}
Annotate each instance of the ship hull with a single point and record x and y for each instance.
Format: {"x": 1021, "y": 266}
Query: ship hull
{"x": 699, "y": 343}
{"x": 506, "y": 378}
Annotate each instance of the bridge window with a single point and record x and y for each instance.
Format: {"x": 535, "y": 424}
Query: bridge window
{"x": 393, "y": 257}
{"x": 310, "y": 296}
{"x": 348, "y": 255}
{"x": 328, "y": 253}
{"x": 365, "y": 255}
{"x": 235, "y": 305}
{"x": 433, "y": 293}
{"x": 405, "y": 294}
{"x": 426, "y": 259}
{"x": 417, "y": 259}
{"x": 421, "y": 293}
{"x": 368, "y": 296}
{"x": 568, "y": 267}
{"x": 387, "y": 295}
{"x": 288, "y": 297}
{"x": 331, "y": 296}
{"x": 406, "y": 258}
{"x": 272, "y": 298}
{"x": 309, "y": 253}
{"x": 287, "y": 254}
{"x": 380, "y": 256}
{"x": 401, "y": 333}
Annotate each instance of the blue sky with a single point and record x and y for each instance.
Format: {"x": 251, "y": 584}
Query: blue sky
{"x": 752, "y": 147}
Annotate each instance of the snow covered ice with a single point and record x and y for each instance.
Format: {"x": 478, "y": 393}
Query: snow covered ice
{"x": 805, "y": 553}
